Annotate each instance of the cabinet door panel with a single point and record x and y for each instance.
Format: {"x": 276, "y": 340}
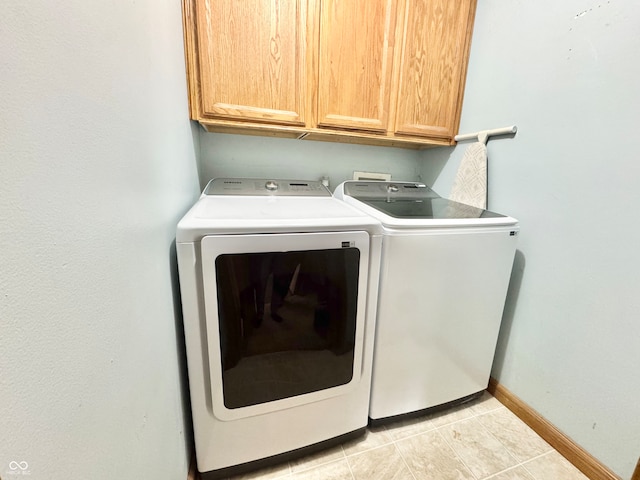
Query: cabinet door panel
{"x": 252, "y": 60}
{"x": 356, "y": 52}
{"x": 433, "y": 64}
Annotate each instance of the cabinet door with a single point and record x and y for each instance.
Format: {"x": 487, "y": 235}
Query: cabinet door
{"x": 433, "y": 63}
{"x": 355, "y": 63}
{"x": 251, "y": 56}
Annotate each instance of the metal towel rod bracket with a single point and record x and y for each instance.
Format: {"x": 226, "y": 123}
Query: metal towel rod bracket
{"x": 484, "y": 135}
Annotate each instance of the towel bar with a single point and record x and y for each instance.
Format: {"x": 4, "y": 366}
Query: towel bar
{"x": 483, "y": 135}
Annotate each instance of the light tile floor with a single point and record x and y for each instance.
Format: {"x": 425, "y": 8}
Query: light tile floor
{"x": 479, "y": 440}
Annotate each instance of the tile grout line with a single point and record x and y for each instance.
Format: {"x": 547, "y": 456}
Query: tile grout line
{"x": 486, "y": 429}
{"x": 476, "y": 414}
{"x": 521, "y": 463}
{"x": 393, "y": 440}
{"x": 412, "y": 435}
{"x": 346, "y": 457}
{"x": 534, "y": 458}
{"x": 511, "y": 454}
{"x": 456, "y": 453}
{"x": 503, "y": 471}
{"x": 404, "y": 460}
{"x": 396, "y": 449}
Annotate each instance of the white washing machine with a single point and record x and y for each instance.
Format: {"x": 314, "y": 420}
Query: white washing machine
{"x": 444, "y": 277}
{"x": 278, "y": 282}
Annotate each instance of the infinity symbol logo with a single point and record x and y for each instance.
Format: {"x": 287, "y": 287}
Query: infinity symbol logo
{"x": 18, "y": 465}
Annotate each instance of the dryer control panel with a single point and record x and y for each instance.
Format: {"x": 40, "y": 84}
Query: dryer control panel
{"x": 266, "y": 186}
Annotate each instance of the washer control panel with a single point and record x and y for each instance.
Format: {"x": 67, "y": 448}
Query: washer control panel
{"x": 266, "y": 186}
{"x": 378, "y": 189}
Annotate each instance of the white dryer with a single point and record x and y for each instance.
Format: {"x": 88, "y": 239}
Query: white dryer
{"x": 444, "y": 277}
{"x": 278, "y": 282}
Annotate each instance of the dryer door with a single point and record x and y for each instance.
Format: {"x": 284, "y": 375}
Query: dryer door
{"x": 284, "y": 318}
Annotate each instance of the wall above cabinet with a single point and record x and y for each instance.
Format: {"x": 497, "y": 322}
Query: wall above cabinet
{"x": 379, "y": 72}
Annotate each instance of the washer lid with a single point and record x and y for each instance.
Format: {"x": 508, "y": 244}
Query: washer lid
{"x": 427, "y": 208}
{"x": 413, "y": 204}
{"x": 264, "y": 214}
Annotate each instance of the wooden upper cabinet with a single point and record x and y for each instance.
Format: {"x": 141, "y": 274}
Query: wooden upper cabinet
{"x": 432, "y": 66}
{"x": 383, "y": 72}
{"x": 251, "y": 56}
{"x": 355, "y": 63}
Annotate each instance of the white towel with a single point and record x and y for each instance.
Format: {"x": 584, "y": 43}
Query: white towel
{"x": 470, "y": 185}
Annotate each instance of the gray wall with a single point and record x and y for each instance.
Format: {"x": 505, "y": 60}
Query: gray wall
{"x": 97, "y": 164}
{"x": 567, "y": 74}
{"x": 223, "y": 155}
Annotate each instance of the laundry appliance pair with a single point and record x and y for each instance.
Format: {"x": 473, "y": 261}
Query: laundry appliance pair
{"x": 280, "y": 294}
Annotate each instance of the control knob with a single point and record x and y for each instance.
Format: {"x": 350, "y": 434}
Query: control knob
{"x": 271, "y": 186}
